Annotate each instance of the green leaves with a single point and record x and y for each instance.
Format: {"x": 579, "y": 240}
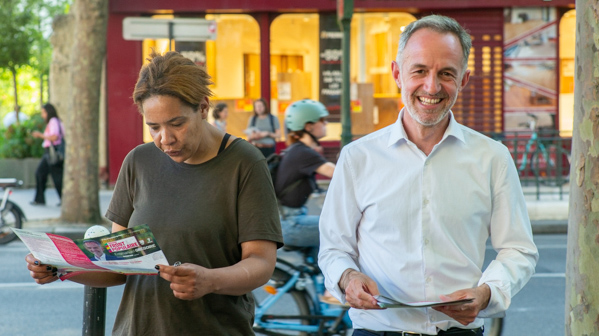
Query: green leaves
{"x": 18, "y": 25}
{"x": 17, "y": 142}
{"x": 26, "y": 26}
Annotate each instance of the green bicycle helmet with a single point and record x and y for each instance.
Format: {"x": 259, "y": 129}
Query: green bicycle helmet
{"x": 303, "y": 111}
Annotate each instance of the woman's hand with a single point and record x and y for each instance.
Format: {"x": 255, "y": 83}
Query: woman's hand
{"x": 42, "y": 274}
{"x": 188, "y": 281}
{"x": 37, "y": 134}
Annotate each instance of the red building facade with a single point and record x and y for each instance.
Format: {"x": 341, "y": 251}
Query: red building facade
{"x": 482, "y": 105}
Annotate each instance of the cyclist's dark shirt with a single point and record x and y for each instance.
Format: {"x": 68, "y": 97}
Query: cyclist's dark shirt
{"x": 299, "y": 163}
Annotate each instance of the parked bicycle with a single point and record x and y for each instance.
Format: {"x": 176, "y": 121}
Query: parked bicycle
{"x": 11, "y": 215}
{"x": 290, "y": 303}
{"x": 546, "y": 161}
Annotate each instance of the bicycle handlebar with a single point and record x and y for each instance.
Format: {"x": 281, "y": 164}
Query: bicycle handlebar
{"x": 10, "y": 182}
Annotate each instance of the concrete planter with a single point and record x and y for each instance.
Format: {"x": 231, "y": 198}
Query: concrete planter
{"x": 22, "y": 169}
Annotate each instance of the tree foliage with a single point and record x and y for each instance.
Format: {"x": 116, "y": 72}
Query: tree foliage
{"x": 24, "y": 43}
{"x": 16, "y": 25}
{"x": 17, "y": 141}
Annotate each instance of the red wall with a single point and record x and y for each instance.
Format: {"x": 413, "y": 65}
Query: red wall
{"x": 149, "y": 6}
{"x": 123, "y": 61}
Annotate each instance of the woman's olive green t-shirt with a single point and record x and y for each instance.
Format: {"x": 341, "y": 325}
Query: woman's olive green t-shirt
{"x": 199, "y": 214}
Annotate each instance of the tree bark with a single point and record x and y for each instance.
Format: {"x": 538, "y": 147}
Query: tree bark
{"x": 59, "y": 81}
{"x": 80, "y": 202}
{"x": 582, "y": 265}
{"x": 13, "y": 72}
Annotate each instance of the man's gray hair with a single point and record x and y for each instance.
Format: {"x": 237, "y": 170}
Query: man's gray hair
{"x": 439, "y": 24}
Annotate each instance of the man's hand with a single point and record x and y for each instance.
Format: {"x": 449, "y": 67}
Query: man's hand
{"x": 466, "y": 313}
{"x": 359, "y": 290}
{"x": 188, "y": 281}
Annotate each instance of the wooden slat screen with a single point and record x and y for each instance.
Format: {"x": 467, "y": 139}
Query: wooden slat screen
{"x": 480, "y": 105}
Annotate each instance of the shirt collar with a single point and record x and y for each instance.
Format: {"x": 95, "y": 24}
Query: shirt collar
{"x": 398, "y": 131}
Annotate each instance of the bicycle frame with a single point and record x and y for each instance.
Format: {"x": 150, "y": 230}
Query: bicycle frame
{"x": 322, "y": 312}
{"x": 540, "y": 147}
{"x": 7, "y": 184}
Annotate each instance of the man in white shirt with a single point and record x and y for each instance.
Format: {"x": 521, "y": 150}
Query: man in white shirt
{"x": 410, "y": 207}
{"x": 95, "y": 248}
{"x": 11, "y": 117}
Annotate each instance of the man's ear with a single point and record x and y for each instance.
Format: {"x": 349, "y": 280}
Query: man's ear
{"x": 396, "y": 73}
{"x": 465, "y": 79}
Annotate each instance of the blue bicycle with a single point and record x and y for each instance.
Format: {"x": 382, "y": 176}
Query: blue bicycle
{"x": 290, "y": 303}
{"x": 546, "y": 162}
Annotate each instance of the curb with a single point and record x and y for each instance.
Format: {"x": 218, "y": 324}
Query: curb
{"x": 550, "y": 226}
{"x": 55, "y": 226}
{"x": 76, "y": 231}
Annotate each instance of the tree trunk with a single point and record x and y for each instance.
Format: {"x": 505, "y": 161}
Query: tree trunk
{"x": 13, "y": 72}
{"x": 59, "y": 80}
{"x": 80, "y": 192}
{"x": 41, "y": 89}
{"x": 582, "y": 266}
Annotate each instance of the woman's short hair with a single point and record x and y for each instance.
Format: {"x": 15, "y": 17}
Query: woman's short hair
{"x": 218, "y": 109}
{"x": 174, "y": 75}
{"x": 50, "y": 112}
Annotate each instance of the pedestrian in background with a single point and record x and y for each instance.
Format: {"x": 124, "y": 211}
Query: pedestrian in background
{"x": 11, "y": 117}
{"x": 411, "y": 206}
{"x": 220, "y": 113}
{"x": 263, "y": 128}
{"x": 198, "y": 189}
{"x": 53, "y": 136}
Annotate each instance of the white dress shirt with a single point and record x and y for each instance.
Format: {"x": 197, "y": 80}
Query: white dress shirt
{"x": 418, "y": 225}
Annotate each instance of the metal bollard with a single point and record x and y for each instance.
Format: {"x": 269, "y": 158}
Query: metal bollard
{"x": 94, "y": 311}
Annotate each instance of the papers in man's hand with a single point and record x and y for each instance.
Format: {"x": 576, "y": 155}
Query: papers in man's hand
{"x": 385, "y": 302}
{"x": 131, "y": 251}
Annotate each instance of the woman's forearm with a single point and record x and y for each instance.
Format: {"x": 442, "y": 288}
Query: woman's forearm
{"x": 99, "y": 279}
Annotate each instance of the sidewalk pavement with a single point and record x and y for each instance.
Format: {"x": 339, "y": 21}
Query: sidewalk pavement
{"x": 549, "y": 214}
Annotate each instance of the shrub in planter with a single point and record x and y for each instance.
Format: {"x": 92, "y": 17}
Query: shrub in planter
{"x": 18, "y": 143}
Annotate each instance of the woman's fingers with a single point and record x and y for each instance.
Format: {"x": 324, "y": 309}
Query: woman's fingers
{"x": 41, "y": 273}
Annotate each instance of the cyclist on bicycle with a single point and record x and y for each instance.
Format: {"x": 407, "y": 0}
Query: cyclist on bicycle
{"x": 296, "y": 175}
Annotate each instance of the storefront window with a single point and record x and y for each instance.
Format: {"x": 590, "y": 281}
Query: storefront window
{"x": 530, "y": 67}
{"x": 567, "y": 46}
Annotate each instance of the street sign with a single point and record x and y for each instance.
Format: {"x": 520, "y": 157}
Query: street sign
{"x": 179, "y": 29}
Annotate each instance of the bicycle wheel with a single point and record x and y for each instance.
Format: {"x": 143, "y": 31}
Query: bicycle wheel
{"x": 551, "y": 167}
{"x": 494, "y": 326}
{"x": 293, "y": 303}
{"x": 540, "y": 168}
{"x": 561, "y": 166}
{"x": 10, "y": 217}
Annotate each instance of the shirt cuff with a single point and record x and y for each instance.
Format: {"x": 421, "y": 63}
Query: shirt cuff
{"x": 335, "y": 271}
{"x": 498, "y": 303}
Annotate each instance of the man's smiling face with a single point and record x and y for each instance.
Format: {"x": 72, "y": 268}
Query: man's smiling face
{"x": 430, "y": 75}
